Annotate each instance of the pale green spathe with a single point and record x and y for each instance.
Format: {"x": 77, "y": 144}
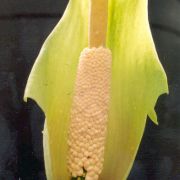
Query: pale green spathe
{"x": 137, "y": 80}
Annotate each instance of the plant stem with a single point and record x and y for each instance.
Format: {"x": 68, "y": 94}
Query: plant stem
{"x": 98, "y": 22}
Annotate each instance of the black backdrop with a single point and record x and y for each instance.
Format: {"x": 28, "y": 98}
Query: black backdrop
{"x": 24, "y": 25}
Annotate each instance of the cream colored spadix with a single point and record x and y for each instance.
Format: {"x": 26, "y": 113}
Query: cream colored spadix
{"x": 89, "y": 113}
{"x": 137, "y": 80}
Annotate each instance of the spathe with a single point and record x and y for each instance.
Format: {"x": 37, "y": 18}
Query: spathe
{"x": 137, "y": 80}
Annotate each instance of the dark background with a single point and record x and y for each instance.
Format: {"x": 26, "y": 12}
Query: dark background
{"x": 24, "y": 25}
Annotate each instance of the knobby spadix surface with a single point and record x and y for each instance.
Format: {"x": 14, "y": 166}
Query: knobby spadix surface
{"x": 137, "y": 80}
